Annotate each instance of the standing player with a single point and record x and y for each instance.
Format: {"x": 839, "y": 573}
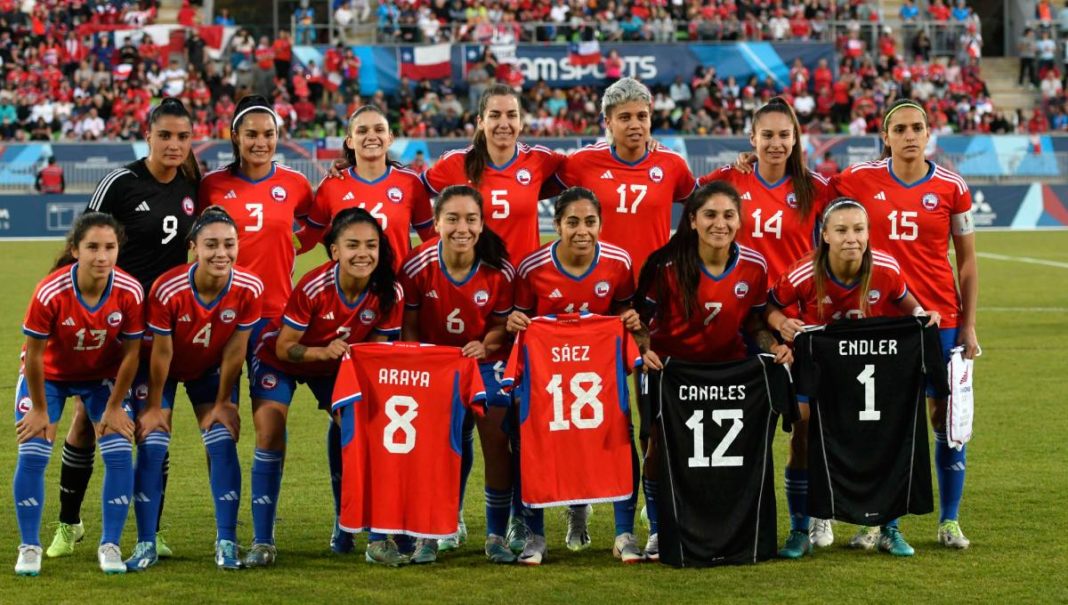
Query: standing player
{"x": 201, "y": 315}
{"x": 153, "y": 199}
{"x": 458, "y": 292}
{"x": 83, "y": 330}
{"x": 917, "y": 207}
{"x": 352, "y": 298}
{"x": 576, "y": 273}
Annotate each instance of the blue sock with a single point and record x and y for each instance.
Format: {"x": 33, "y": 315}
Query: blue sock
{"x": 624, "y": 511}
{"x": 29, "y": 488}
{"x": 148, "y": 483}
{"x": 375, "y": 537}
{"x": 498, "y": 506}
{"x": 949, "y": 466}
{"x": 890, "y": 524}
{"x": 225, "y": 478}
{"x": 117, "y": 453}
{"x": 797, "y": 498}
{"x": 333, "y": 458}
{"x": 650, "y": 487}
{"x": 266, "y": 483}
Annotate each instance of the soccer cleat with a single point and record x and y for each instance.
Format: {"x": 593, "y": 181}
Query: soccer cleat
{"x": 110, "y": 558}
{"x": 143, "y": 557}
{"x": 29, "y": 561}
{"x": 341, "y": 541}
{"x": 518, "y": 534}
{"x": 865, "y": 538}
{"x": 384, "y": 552}
{"x": 797, "y": 545}
{"x": 820, "y": 533}
{"x": 578, "y": 534}
{"x": 260, "y": 555}
{"x": 67, "y": 535}
{"x": 949, "y": 534}
{"x": 226, "y": 555}
{"x": 426, "y": 551}
{"x": 626, "y": 549}
{"x": 535, "y": 552}
{"x": 891, "y": 541}
{"x": 162, "y": 550}
{"x": 497, "y": 551}
{"x": 652, "y": 547}
{"x": 456, "y": 540}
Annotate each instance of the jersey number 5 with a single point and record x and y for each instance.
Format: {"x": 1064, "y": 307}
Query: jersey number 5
{"x": 501, "y": 209}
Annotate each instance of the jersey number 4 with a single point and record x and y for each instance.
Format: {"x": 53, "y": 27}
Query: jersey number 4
{"x": 718, "y": 458}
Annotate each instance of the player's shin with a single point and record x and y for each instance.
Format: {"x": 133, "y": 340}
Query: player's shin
{"x": 148, "y": 483}
{"x": 117, "y": 453}
{"x": 225, "y": 479}
{"x": 29, "y": 488}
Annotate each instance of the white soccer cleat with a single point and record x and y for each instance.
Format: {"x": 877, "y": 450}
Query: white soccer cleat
{"x": 652, "y": 547}
{"x": 29, "y": 561}
{"x": 821, "y": 533}
{"x": 626, "y": 549}
{"x": 578, "y": 532}
{"x": 535, "y": 552}
{"x": 110, "y": 558}
{"x": 865, "y": 538}
{"x": 949, "y": 534}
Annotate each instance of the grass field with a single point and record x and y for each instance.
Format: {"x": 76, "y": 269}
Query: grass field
{"x": 1013, "y": 508}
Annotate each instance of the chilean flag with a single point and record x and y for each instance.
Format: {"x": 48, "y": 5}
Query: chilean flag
{"x": 432, "y": 62}
{"x": 584, "y": 53}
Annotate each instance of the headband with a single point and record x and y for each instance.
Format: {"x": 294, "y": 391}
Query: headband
{"x": 886, "y": 118}
{"x": 209, "y": 217}
{"x": 264, "y": 108}
{"x": 841, "y": 203}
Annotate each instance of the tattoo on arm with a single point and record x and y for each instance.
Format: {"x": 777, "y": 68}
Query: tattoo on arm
{"x": 296, "y": 352}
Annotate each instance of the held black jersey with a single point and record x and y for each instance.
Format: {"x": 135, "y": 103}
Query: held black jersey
{"x": 865, "y": 380}
{"x": 717, "y": 423}
{"x": 157, "y": 217}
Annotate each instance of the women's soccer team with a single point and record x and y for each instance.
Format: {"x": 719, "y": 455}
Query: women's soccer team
{"x": 764, "y": 247}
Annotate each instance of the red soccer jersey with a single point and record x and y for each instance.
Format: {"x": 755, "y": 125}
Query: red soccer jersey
{"x": 402, "y": 407}
{"x": 319, "y": 309}
{"x": 200, "y": 329}
{"x": 397, "y": 199}
{"x": 771, "y": 223}
{"x": 574, "y": 411}
{"x": 797, "y": 288}
{"x": 713, "y": 332}
{"x": 912, "y": 223}
{"x": 265, "y": 211}
{"x": 84, "y": 343}
{"x": 450, "y": 312}
{"x": 544, "y": 287}
{"x": 636, "y": 197}
{"x": 510, "y": 192}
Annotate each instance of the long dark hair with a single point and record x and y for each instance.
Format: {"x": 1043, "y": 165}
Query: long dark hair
{"x": 211, "y": 214}
{"x": 173, "y": 106}
{"x": 350, "y": 154}
{"x": 489, "y": 248}
{"x": 896, "y": 105}
{"x": 476, "y": 160}
{"x": 821, "y": 266}
{"x": 679, "y": 257}
{"x": 77, "y": 232}
{"x": 795, "y": 164}
{"x": 383, "y": 278}
{"x": 247, "y": 105}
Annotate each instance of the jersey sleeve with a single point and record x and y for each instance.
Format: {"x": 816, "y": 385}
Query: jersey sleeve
{"x": 898, "y": 287}
{"x": 684, "y": 181}
{"x": 632, "y": 357}
{"x": 718, "y": 174}
{"x": 133, "y": 319}
{"x": 346, "y": 386}
{"x": 160, "y": 320}
{"x": 39, "y": 318}
{"x": 472, "y": 389}
{"x": 760, "y": 300}
{"x": 504, "y": 297}
{"x": 624, "y": 286}
{"x": 299, "y": 310}
{"x": 413, "y": 289}
{"x": 390, "y": 323}
{"x": 565, "y": 172}
{"x": 304, "y": 198}
{"x": 783, "y": 293}
{"x": 514, "y": 369}
{"x": 250, "y": 312}
{"x": 110, "y": 192}
{"x": 422, "y": 214}
{"x": 319, "y": 211}
{"x": 444, "y": 173}
{"x": 204, "y": 194}
{"x": 523, "y": 294}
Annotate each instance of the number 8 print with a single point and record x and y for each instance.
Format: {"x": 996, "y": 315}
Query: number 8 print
{"x": 400, "y": 423}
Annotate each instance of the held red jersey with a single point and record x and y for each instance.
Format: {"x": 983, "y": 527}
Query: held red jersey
{"x": 912, "y": 223}
{"x": 570, "y": 374}
{"x": 200, "y": 329}
{"x": 454, "y": 312}
{"x": 319, "y": 309}
{"x": 636, "y": 197}
{"x": 771, "y": 224}
{"x": 397, "y": 199}
{"x": 510, "y": 192}
{"x": 713, "y": 331}
{"x": 84, "y": 343}
{"x": 264, "y": 211}
{"x": 544, "y": 287}
{"x": 797, "y": 288}
{"x": 402, "y": 408}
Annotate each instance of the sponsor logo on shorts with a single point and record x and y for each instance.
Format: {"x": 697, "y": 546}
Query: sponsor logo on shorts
{"x": 269, "y": 381}
{"x": 278, "y": 193}
{"x": 228, "y": 315}
{"x": 741, "y": 289}
{"x": 115, "y": 319}
{"x": 481, "y": 298}
{"x": 523, "y": 176}
{"x": 929, "y": 201}
{"x": 601, "y": 289}
{"x": 188, "y": 206}
{"x": 656, "y": 174}
{"x": 395, "y": 195}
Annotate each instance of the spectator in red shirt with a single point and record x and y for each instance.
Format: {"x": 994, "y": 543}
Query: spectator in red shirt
{"x": 283, "y": 55}
{"x": 822, "y": 76}
{"x": 187, "y": 15}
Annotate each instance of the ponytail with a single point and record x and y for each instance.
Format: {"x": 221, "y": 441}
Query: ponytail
{"x": 477, "y": 158}
{"x": 796, "y": 167}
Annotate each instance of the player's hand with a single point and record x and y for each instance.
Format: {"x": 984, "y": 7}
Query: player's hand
{"x": 337, "y": 169}
{"x": 33, "y": 424}
{"x": 226, "y": 414}
{"x": 966, "y": 338}
{"x": 791, "y": 328}
{"x": 115, "y": 420}
{"x": 517, "y": 322}
{"x": 152, "y": 419}
{"x": 783, "y": 354}
{"x": 745, "y": 162}
{"x": 474, "y": 349}
{"x": 630, "y": 320}
{"x": 651, "y": 361}
{"x": 934, "y": 318}
{"x": 335, "y": 350}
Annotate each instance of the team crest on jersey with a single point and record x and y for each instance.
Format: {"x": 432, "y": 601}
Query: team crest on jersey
{"x": 115, "y": 319}
{"x": 188, "y": 206}
{"x": 601, "y": 289}
{"x": 25, "y": 405}
{"x": 929, "y": 201}
{"x": 791, "y": 200}
{"x": 741, "y": 289}
{"x": 523, "y": 176}
{"x": 278, "y": 194}
{"x": 228, "y": 315}
{"x": 656, "y": 174}
{"x": 141, "y": 392}
{"x": 367, "y": 316}
{"x": 874, "y": 296}
{"x": 269, "y": 381}
{"x": 395, "y": 195}
{"x": 481, "y": 298}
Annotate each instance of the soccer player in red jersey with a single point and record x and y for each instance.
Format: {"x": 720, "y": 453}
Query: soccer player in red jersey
{"x": 507, "y": 173}
{"x": 636, "y": 179}
{"x": 201, "y": 315}
{"x": 384, "y": 187}
{"x": 83, "y": 329}
{"x": 458, "y": 292}
{"x": 698, "y": 295}
{"x": 576, "y": 273}
{"x": 352, "y": 298}
{"x": 917, "y": 207}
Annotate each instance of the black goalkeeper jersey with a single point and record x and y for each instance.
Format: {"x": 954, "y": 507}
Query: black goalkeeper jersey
{"x": 717, "y": 423}
{"x": 865, "y": 380}
{"x": 156, "y": 216}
